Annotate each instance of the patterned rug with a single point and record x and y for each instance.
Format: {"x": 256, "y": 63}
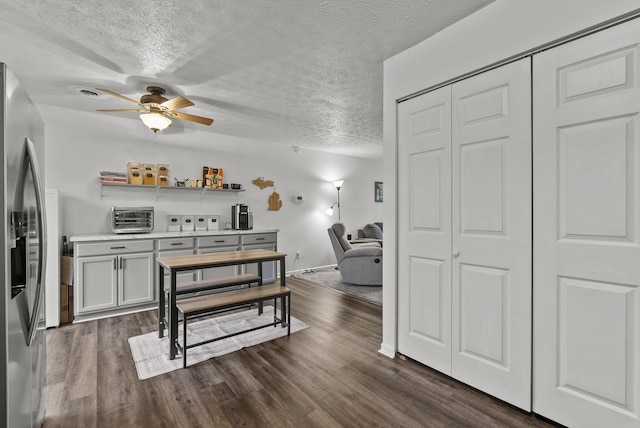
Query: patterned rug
{"x": 151, "y": 354}
{"x": 330, "y": 277}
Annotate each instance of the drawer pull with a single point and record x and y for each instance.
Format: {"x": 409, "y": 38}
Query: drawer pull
{"x": 177, "y": 243}
{"x": 220, "y": 241}
{"x": 260, "y": 239}
{"x": 118, "y": 248}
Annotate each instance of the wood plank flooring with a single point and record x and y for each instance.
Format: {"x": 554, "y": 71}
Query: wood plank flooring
{"x": 329, "y": 375}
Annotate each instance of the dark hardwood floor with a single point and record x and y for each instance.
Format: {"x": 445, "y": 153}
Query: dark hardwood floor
{"x": 329, "y": 375}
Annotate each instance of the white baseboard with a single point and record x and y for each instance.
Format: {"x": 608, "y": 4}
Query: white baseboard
{"x": 387, "y": 350}
{"x": 300, "y": 271}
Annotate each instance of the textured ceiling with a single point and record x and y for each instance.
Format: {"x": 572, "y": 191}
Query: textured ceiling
{"x": 306, "y": 73}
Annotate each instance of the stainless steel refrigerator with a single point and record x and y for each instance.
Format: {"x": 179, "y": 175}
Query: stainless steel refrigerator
{"x": 22, "y": 322}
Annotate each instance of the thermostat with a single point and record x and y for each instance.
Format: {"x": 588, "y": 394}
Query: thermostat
{"x": 298, "y": 198}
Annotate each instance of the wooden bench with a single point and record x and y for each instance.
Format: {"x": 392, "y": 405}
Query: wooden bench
{"x": 199, "y": 286}
{"x": 193, "y": 307}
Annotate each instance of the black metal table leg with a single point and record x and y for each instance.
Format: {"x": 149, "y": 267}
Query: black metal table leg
{"x": 173, "y": 318}
{"x": 184, "y": 341}
{"x": 260, "y": 305}
{"x": 161, "y": 303}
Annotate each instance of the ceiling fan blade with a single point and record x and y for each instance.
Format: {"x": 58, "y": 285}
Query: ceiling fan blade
{"x": 177, "y": 103}
{"x": 129, "y": 110}
{"x": 191, "y": 118}
{"x": 122, "y": 97}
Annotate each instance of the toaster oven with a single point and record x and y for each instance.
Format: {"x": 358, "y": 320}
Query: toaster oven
{"x": 131, "y": 219}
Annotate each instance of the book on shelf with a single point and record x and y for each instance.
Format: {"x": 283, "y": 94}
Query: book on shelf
{"x": 108, "y": 181}
{"x": 113, "y": 177}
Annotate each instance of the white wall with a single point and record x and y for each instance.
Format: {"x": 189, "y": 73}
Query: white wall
{"x": 79, "y": 145}
{"x": 499, "y": 31}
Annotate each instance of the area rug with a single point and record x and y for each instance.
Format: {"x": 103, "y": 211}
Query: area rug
{"x": 151, "y": 354}
{"x": 330, "y": 277}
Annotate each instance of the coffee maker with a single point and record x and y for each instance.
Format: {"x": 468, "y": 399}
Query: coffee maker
{"x": 241, "y": 218}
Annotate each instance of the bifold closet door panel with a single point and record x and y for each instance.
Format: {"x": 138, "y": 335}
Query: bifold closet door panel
{"x": 491, "y": 232}
{"x": 424, "y": 229}
{"x": 464, "y": 231}
{"x": 587, "y": 230}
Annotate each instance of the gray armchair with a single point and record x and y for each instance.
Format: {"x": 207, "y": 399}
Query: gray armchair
{"x": 360, "y": 265}
{"x": 370, "y": 233}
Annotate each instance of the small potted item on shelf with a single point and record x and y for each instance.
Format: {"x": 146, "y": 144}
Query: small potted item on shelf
{"x": 212, "y": 177}
{"x": 135, "y": 176}
{"x": 134, "y": 173}
{"x": 180, "y": 183}
{"x": 149, "y": 175}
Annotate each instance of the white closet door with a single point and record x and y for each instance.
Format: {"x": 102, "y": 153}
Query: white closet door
{"x": 491, "y": 232}
{"x": 424, "y": 229}
{"x": 587, "y": 230}
{"x": 466, "y": 311}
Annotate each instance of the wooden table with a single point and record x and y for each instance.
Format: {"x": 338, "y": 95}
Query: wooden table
{"x": 203, "y": 261}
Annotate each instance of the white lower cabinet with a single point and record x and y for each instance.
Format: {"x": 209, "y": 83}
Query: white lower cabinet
{"x": 112, "y": 275}
{"x": 265, "y": 241}
{"x": 96, "y": 286}
{"x": 135, "y": 279}
{"x": 173, "y": 247}
{"x": 118, "y": 276}
{"x": 216, "y": 244}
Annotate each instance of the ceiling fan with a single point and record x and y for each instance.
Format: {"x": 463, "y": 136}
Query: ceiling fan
{"x": 158, "y": 110}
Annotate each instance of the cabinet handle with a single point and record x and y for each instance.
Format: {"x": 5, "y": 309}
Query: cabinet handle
{"x": 456, "y": 254}
{"x": 260, "y": 239}
{"x": 118, "y": 248}
{"x": 177, "y": 243}
{"x": 220, "y": 241}
{"x": 121, "y": 263}
{"x": 115, "y": 264}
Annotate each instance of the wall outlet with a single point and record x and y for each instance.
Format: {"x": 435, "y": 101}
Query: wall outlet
{"x": 298, "y": 255}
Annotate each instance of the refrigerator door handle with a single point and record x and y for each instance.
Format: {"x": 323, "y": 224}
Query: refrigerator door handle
{"x": 32, "y": 158}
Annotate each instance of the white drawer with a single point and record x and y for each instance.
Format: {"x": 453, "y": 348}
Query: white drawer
{"x": 113, "y": 247}
{"x": 174, "y": 243}
{"x": 259, "y": 238}
{"x": 218, "y": 241}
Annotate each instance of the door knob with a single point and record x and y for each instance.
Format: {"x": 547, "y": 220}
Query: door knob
{"x": 456, "y": 254}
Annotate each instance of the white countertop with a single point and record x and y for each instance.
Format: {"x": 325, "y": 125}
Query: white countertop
{"x": 158, "y": 235}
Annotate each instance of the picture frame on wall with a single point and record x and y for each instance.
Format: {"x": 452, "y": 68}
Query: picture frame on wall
{"x": 378, "y": 191}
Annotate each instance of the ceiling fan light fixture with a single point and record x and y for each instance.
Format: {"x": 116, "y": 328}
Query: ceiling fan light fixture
{"x": 155, "y": 121}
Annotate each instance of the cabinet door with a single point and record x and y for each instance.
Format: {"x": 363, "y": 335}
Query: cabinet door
{"x": 268, "y": 268}
{"x": 135, "y": 279}
{"x": 265, "y": 241}
{"x": 219, "y": 272}
{"x": 96, "y": 285}
{"x": 587, "y": 230}
{"x": 181, "y": 277}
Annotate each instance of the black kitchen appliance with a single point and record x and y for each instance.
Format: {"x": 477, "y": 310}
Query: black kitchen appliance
{"x": 241, "y": 218}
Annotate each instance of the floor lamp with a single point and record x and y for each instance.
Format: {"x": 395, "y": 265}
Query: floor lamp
{"x": 329, "y": 211}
